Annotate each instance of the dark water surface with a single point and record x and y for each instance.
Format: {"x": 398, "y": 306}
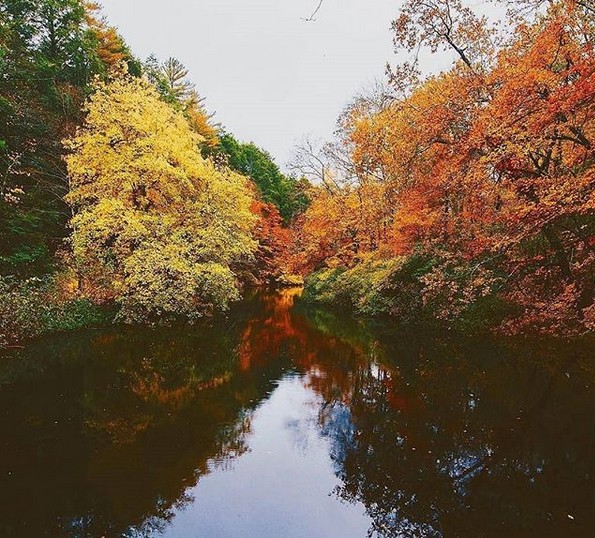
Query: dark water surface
{"x": 283, "y": 422}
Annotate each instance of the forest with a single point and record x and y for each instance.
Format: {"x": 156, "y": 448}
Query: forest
{"x": 464, "y": 197}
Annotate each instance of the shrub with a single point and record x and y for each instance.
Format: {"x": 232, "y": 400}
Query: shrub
{"x": 414, "y": 288}
{"x": 373, "y": 287}
{"x": 37, "y": 306}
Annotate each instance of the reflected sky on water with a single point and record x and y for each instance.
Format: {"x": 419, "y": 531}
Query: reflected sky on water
{"x": 283, "y": 420}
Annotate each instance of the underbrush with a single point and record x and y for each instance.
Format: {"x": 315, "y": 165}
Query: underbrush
{"x": 37, "y": 306}
{"x": 413, "y": 289}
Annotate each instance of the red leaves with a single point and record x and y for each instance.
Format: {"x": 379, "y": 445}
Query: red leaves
{"x": 273, "y": 242}
{"x": 498, "y": 165}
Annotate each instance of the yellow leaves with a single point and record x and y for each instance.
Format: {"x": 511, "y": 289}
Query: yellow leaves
{"x": 164, "y": 279}
{"x": 112, "y": 230}
{"x": 164, "y": 223}
{"x": 133, "y": 140}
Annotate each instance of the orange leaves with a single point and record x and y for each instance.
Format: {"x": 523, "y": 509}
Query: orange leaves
{"x": 111, "y": 48}
{"x": 416, "y": 219}
{"x": 273, "y": 242}
{"x": 341, "y": 225}
{"x": 444, "y": 25}
{"x": 324, "y": 231}
{"x": 540, "y": 122}
{"x": 491, "y": 164}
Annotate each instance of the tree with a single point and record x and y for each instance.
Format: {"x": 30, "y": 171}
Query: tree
{"x": 49, "y": 52}
{"x": 274, "y": 239}
{"x": 170, "y": 80}
{"x": 175, "y": 75}
{"x": 157, "y": 227}
{"x": 111, "y": 49}
{"x": 446, "y": 24}
{"x": 287, "y": 194}
{"x": 538, "y": 132}
{"x": 487, "y": 170}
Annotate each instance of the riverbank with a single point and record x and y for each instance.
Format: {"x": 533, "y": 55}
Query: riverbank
{"x": 396, "y": 290}
{"x": 421, "y": 289}
{"x": 38, "y": 307}
{"x": 43, "y": 306}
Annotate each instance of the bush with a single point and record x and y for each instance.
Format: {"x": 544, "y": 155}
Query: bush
{"x": 373, "y": 287}
{"x": 36, "y": 306}
{"x": 19, "y": 311}
{"x": 321, "y": 287}
{"x": 412, "y": 289}
{"x": 72, "y": 315}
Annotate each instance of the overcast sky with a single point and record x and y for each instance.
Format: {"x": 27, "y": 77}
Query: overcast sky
{"x": 271, "y": 77}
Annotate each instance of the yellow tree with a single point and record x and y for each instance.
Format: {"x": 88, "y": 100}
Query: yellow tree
{"x": 156, "y": 227}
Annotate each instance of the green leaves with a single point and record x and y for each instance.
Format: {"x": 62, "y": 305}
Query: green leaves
{"x": 50, "y": 50}
{"x": 258, "y": 165}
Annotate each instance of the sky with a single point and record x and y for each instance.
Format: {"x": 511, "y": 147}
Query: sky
{"x": 270, "y": 77}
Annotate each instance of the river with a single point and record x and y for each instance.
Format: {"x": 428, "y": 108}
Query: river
{"x": 284, "y": 421}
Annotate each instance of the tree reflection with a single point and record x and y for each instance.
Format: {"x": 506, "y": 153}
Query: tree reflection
{"x": 106, "y": 433}
{"x": 439, "y": 437}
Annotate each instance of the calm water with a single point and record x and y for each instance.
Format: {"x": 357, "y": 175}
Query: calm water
{"x": 283, "y": 422}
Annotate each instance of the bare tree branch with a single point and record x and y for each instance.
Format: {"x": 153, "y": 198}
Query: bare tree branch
{"x": 311, "y": 17}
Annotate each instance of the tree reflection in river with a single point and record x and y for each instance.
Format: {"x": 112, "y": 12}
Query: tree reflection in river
{"x": 446, "y": 436}
{"x": 107, "y": 432}
{"x": 440, "y": 436}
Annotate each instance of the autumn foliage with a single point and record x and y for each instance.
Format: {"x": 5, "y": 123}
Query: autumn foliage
{"x": 487, "y": 170}
{"x": 465, "y": 194}
{"x": 157, "y": 228}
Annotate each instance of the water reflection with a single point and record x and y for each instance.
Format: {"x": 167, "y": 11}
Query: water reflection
{"x": 243, "y": 428}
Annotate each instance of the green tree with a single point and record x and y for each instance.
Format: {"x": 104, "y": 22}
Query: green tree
{"x": 286, "y": 193}
{"x": 49, "y": 52}
{"x": 170, "y": 79}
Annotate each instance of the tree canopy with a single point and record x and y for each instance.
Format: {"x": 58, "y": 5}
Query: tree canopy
{"x": 50, "y": 50}
{"x": 157, "y": 227}
{"x": 287, "y": 194}
{"x": 486, "y": 169}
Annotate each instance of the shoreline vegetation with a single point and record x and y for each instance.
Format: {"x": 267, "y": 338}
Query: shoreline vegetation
{"x": 464, "y": 198}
